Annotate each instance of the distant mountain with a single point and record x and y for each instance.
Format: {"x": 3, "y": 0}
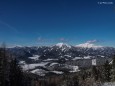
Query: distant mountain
{"x": 63, "y": 50}
{"x": 62, "y": 45}
{"x": 89, "y": 45}
{"x": 44, "y": 58}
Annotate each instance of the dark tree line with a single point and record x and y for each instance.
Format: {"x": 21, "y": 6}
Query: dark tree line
{"x": 11, "y": 73}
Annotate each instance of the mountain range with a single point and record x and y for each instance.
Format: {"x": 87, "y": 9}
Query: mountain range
{"x": 39, "y": 59}
{"x": 63, "y": 50}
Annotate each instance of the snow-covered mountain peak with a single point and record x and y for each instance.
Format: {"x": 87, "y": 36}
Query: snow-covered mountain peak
{"x": 17, "y": 46}
{"x": 60, "y": 45}
{"x": 89, "y": 45}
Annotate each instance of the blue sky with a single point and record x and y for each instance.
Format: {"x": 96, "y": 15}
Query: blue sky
{"x": 46, "y": 22}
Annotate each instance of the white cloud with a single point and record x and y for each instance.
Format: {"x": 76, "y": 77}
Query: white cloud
{"x": 63, "y": 39}
{"x": 92, "y": 41}
{"x": 9, "y": 26}
{"x": 40, "y": 39}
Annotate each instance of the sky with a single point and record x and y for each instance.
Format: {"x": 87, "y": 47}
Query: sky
{"x": 46, "y": 22}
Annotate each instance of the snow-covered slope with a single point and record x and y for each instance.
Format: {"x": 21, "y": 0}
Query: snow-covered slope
{"x": 60, "y": 45}
{"x": 89, "y": 45}
{"x": 48, "y": 59}
{"x": 62, "y": 50}
{"x": 34, "y": 57}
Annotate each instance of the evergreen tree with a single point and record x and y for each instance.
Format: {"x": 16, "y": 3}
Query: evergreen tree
{"x": 10, "y": 72}
{"x": 113, "y": 69}
{"x": 4, "y": 73}
{"x": 107, "y": 71}
{"x": 75, "y": 81}
{"x": 82, "y": 74}
{"x": 1, "y": 68}
{"x": 95, "y": 73}
{"x": 16, "y": 75}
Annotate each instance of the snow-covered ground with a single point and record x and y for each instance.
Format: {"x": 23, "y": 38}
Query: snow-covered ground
{"x": 57, "y": 72}
{"x": 109, "y": 84}
{"x": 35, "y": 57}
{"x": 87, "y": 57}
{"x": 22, "y": 62}
{"x": 39, "y": 72}
{"x": 75, "y": 69}
{"x": 50, "y": 59}
{"x": 76, "y": 58}
{"x": 52, "y": 64}
{"x": 68, "y": 56}
{"x": 32, "y": 66}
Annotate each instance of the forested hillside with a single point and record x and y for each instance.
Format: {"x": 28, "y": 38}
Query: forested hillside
{"x": 11, "y": 74}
